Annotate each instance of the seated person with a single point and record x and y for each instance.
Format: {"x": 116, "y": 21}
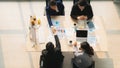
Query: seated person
{"x": 83, "y": 58}
{"x": 75, "y": 1}
{"x": 55, "y": 8}
{"x": 82, "y": 11}
{"x": 52, "y": 56}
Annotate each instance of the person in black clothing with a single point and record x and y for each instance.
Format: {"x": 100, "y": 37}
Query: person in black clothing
{"x": 55, "y": 8}
{"x": 75, "y": 1}
{"x": 52, "y": 56}
{"x": 82, "y": 11}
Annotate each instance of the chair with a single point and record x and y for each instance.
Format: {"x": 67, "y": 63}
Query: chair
{"x": 75, "y": 1}
{"x": 42, "y": 64}
{"x": 92, "y": 65}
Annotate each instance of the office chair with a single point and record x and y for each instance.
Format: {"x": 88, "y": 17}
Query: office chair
{"x": 75, "y": 1}
{"x": 92, "y": 65}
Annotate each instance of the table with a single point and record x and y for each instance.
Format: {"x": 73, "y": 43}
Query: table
{"x": 67, "y": 23}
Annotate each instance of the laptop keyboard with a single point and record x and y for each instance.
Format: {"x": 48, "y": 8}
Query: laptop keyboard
{"x": 81, "y": 39}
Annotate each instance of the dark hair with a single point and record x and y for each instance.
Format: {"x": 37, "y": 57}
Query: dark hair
{"x": 49, "y": 47}
{"x": 82, "y": 3}
{"x": 53, "y": 3}
{"x": 34, "y": 19}
{"x": 87, "y": 48}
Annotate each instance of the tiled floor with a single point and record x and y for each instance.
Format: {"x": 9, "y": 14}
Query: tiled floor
{"x": 14, "y": 18}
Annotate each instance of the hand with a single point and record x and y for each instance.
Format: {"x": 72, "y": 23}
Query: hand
{"x": 85, "y": 17}
{"x": 80, "y": 17}
{"x": 53, "y": 29}
{"x": 75, "y": 43}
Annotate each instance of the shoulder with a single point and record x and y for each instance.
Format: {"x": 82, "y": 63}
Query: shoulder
{"x": 60, "y": 4}
{"x": 88, "y": 6}
{"x": 44, "y": 52}
{"x": 75, "y": 6}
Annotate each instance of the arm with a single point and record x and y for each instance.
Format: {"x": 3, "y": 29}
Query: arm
{"x": 48, "y": 17}
{"x": 57, "y": 42}
{"x": 43, "y": 61}
{"x": 77, "y": 52}
{"x": 90, "y": 12}
{"x": 58, "y": 45}
{"x": 74, "y": 14}
{"x": 60, "y": 8}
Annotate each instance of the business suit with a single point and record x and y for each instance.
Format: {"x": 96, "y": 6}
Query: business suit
{"x": 82, "y": 61}
{"x": 54, "y": 59}
{"x": 52, "y": 12}
{"x": 75, "y": 1}
{"x": 87, "y": 11}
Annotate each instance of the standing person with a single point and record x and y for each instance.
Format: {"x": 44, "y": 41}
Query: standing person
{"x": 83, "y": 56}
{"x": 52, "y": 56}
{"x": 55, "y": 8}
{"x": 82, "y": 11}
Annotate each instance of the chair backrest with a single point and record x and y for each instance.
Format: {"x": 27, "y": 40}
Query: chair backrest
{"x": 92, "y": 65}
{"x": 75, "y": 1}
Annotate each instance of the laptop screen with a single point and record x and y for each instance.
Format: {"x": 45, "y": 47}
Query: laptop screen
{"x": 81, "y": 33}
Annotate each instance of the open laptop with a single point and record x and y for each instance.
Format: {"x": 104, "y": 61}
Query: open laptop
{"x": 81, "y": 35}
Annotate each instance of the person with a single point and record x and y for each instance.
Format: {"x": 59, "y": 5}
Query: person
{"x": 83, "y": 58}
{"x": 75, "y": 1}
{"x": 52, "y": 56}
{"x": 55, "y": 8}
{"x": 82, "y": 11}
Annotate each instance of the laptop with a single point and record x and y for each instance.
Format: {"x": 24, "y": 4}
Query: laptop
{"x": 81, "y": 35}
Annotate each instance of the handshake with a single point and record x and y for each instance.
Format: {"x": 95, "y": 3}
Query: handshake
{"x": 53, "y": 29}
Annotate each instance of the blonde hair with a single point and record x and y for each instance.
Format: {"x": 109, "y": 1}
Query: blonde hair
{"x": 34, "y": 19}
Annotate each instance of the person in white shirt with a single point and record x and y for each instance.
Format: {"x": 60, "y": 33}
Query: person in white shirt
{"x": 83, "y": 55}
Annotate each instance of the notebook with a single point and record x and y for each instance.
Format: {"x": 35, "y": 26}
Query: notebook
{"x": 81, "y": 35}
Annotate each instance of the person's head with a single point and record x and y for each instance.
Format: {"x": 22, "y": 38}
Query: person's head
{"x": 53, "y": 5}
{"x": 50, "y": 46}
{"x": 87, "y": 48}
{"x": 82, "y": 4}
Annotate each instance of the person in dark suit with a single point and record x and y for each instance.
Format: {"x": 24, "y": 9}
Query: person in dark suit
{"x": 83, "y": 56}
{"x": 55, "y": 8}
{"x": 52, "y": 56}
{"x": 82, "y": 11}
{"x": 75, "y": 1}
